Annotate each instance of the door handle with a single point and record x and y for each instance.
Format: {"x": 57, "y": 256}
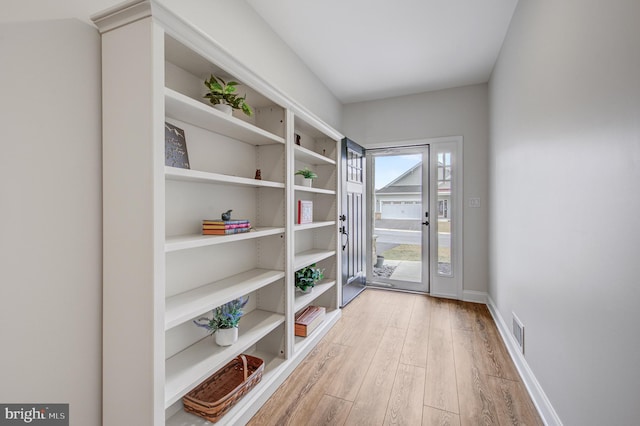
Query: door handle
{"x": 343, "y": 232}
{"x": 426, "y": 223}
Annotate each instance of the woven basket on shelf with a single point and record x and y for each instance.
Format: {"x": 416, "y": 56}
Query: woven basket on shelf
{"x": 215, "y": 396}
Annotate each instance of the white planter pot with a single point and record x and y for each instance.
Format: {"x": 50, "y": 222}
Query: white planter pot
{"x": 224, "y": 108}
{"x": 226, "y": 336}
{"x": 307, "y": 182}
{"x": 307, "y": 291}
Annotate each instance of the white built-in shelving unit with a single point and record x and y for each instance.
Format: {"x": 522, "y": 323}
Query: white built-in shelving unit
{"x": 160, "y": 273}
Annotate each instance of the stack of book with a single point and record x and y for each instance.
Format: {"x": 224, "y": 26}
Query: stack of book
{"x": 225, "y": 227}
{"x": 309, "y": 319}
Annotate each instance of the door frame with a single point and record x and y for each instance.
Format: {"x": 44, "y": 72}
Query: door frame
{"x": 439, "y": 285}
{"x": 425, "y": 273}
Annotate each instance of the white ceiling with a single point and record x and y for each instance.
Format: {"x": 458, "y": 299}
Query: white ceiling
{"x": 373, "y": 49}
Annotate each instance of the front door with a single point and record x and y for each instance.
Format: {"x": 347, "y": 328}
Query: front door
{"x": 352, "y": 220}
{"x": 399, "y": 185}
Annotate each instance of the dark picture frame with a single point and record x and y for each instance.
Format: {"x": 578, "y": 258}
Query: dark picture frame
{"x": 175, "y": 147}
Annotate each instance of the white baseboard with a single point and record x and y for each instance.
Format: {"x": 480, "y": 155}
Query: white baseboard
{"x": 475, "y": 296}
{"x": 542, "y": 403}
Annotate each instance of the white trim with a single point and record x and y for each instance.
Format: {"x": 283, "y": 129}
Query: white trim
{"x": 475, "y": 296}
{"x": 540, "y": 400}
{"x": 441, "y": 285}
{"x": 400, "y": 143}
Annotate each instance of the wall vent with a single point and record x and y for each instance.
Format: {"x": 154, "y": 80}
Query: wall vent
{"x": 518, "y": 332}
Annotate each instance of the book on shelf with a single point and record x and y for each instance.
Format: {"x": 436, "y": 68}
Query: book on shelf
{"x": 175, "y": 147}
{"x": 225, "y": 231}
{"x": 305, "y": 211}
{"x": 309, "y": 319}
{"x": 225, "y": 222}
{"x": 229, "y": 226}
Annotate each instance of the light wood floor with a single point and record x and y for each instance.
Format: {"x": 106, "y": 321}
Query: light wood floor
{"x": 404, "y": 359}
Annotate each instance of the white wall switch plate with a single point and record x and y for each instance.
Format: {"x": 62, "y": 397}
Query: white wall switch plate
{"x": 474, "y": 203}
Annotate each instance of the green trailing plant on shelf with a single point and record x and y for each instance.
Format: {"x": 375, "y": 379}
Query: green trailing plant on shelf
{"x": 224, "y": 317}
{"x": 223, "y": 93}
{"x": 306, "y": 173}
{"x": 308, "y": 277}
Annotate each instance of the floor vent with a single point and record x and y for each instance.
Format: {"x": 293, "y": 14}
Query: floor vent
{"x": 518, "y": 332}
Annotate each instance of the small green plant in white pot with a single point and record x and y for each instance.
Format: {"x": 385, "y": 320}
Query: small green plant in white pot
{"x": 223, "y": 96}
{"x": 308, "y": 277}
{"x": 224, "y": 322}
{"x": 308, "y": 176}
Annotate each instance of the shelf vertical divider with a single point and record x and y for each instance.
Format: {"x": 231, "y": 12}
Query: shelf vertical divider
{"x": 290, "y": 234}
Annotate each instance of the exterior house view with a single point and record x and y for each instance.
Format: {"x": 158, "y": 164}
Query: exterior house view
{"x": 402, "y": 197}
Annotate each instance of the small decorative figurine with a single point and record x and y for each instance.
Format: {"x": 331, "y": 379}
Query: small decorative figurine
{"x": 227, "y": 215}
{"x": 258, "y": 174}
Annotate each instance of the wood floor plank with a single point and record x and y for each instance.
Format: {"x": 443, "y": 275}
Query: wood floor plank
{"x": 475, "y": 401}
{"x": 314, "y": 389}
{"x": 343, "y": 331}
{"x": 434, "y": 417}
{"x": 362, "y": 345}
{"x": 349, "y": 375}
{"x": 463, "y": 315}
{"x": 302, "y": 389}
{"x": 493, "y": 354}
{"x": 512, "y": 403}
{"x": 441, "y": 389}
{"x": 372, "y": 400}
{"x": 414, "y": 351}
{"x": 440, "y": 315}
{"x": 330, "y": 411}
{"x": 401, "y": 313}
{"x": 405, "y": 405}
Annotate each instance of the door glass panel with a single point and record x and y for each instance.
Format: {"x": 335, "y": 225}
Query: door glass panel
{"x": 398, "y": 216}
{"x": 445, "y": 191}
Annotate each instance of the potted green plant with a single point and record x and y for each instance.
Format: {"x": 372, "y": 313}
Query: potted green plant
{"x": 308, "y": 277}
{"x": 223, "y": 96}
{"x": 308, "y": 176}
{"x": 224, "y": 322}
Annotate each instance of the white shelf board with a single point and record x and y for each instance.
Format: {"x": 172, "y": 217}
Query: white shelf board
{"x": 188, "y": 368}
{"x": 182, "y": 307}
{"x": 273, "y": 367}
{"x": 308, "y": 257}
{"x": 330, "y": 318}
{"x": 312, "y": 225}
{"x": 314, "y": 190}
{"x": 305, "y": 299}
{"x": 183, "y": 242}
{"x": 313, "y": 130}
{"x": 188, "y": 175}
{"x": 311, "y": 157}
{"x": 183, "y": 108}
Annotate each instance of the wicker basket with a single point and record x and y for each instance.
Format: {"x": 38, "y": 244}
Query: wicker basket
{"x": 215, "y": 396}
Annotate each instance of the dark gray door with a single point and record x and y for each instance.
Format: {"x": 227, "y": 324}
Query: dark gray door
{"x": 352, "y": 220}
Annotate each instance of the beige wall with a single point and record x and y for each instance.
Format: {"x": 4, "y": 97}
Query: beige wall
{"x": 462, "y": 112}
{"x": 51, "y": 210}
{"x": 565, "y": 163}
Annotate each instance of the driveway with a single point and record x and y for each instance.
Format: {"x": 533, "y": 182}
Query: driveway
{"x": 389, "y": 238}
